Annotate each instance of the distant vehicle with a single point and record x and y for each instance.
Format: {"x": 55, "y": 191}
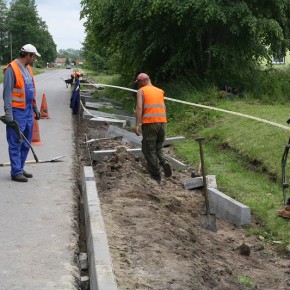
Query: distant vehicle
{"x": 68, "y": 67}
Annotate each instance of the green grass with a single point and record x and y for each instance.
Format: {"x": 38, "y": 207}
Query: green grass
{"x": 245, "y": 155}
{"x": 246, "y": 281}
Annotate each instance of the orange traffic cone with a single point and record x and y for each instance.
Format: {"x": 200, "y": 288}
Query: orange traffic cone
{"x": 43, "y": 108}
{"x": 35, "y": 135}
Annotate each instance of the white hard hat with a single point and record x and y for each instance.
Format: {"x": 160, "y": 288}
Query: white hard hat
{"x": 29, "y": 48}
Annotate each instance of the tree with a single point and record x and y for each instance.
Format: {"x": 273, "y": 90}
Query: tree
{"x": 211, "y": 39}
{"x": 25, "y": 26}
{"x": 4, "y": 36}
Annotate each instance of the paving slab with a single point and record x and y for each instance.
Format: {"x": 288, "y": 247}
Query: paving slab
{"x": 196, "y": 182}
{"x": 100, "y": 154}
{"x": 99, "y": 105}
{"x": 107, "y": 120}
{"x": 130, "y": 137}
{"x": 91, "y": 113}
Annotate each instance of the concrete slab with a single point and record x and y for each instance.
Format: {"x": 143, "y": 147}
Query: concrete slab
{"x": 90, "y": 113}
{"x": 99, "y": 105}
{"x": 170, "y": 140}
{"x": 110, "y": 100}
{"x": 130, "y": 137}
{"x": 107, "y": 120}
{"x": 100, "y": 262}
{"x": 191, "y": 183}
{"x": 99, "y": 155}
{"x": 176, "y": 163}
{"x": 87, "y": 98}
{"x": 87, "y": 92}
{"x": 228, "y": 208}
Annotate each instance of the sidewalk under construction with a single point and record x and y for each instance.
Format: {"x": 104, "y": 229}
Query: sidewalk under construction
{"x": 39, "y": 218}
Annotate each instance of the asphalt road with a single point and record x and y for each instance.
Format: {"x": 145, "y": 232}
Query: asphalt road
{"x": 38, "y": 241}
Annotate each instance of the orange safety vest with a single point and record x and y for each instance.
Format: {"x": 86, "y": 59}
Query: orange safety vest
{"x": 18, "y": 92}
{"x": 154, "y": 110}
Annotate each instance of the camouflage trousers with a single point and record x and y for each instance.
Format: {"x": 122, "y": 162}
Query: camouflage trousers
{"x": 152, "y": 144}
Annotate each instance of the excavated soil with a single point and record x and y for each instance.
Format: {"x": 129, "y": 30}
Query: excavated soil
{"x": 154, "y": 229}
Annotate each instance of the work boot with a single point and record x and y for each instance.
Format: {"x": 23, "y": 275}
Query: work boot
{"x": 167, "y": 169}
{"x": 19, "y": 178}
{"x": 27, "y": 174}
{"x": 284, "y": 213}
{"x": 157, "y": 176}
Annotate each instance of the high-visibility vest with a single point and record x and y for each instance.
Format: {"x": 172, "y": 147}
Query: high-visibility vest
{"x": 18, "y": 92}
{"x": 154, "y": 110}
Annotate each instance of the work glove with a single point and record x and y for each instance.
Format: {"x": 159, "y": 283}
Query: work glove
{"x": 8, "y": 120}
{"x": 37, "y": 114}
{"x": 288, "y": 121}
{"x": 8, "y": 116}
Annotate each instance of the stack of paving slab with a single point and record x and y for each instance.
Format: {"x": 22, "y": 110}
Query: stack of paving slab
{"x": 92, "y": 112}
{"x": 99, "y": 116}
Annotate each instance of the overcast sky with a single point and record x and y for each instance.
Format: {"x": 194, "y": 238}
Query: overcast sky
{"x": 62, "y": 18}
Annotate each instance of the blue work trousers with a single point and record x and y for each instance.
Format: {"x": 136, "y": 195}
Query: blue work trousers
{"x": 18, "y": 150}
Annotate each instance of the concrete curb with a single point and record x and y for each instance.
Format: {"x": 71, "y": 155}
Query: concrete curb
{"x": 100, "y": 263}
{"x": 228, "y": 208}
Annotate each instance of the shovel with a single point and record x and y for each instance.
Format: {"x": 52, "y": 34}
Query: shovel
{"x": 14, "y": 125}
{"x": 55, "y": 159}
{"x": 208, "y": 220}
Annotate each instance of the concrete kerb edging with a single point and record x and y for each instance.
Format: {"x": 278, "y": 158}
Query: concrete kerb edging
{"x": 100, "y": 263}
{"x": 228, "y": 208}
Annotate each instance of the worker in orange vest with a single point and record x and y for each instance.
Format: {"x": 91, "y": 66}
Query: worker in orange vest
{"x": 20, "y": 106}
{"x": 151, "y": 115}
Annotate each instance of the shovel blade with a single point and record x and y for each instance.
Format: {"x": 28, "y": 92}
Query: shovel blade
{"x": 55, "y": 159}
{"x": 208, "y": 222}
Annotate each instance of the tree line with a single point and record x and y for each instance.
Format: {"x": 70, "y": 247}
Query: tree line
{"x": 20, "y": 24}
{"x": 204, "y": 39}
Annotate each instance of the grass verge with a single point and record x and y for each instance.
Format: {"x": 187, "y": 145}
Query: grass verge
{"x": 245, "y": 156}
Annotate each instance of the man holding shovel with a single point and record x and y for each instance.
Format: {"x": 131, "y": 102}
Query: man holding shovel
{"x": 20, "y": 106}
{"x": 151, "y": 114}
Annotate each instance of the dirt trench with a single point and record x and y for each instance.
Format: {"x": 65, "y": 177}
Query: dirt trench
{"x": 155, "y": 238}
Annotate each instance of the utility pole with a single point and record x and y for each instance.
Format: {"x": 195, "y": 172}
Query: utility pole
{"x": 10, "y": 46}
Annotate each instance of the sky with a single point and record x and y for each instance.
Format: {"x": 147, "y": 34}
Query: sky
{"x": 62, "y": 18}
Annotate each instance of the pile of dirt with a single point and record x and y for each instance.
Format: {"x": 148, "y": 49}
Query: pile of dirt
{"x": 154, "y": 231}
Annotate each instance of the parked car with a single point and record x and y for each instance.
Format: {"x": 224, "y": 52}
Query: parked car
{"x": 68, "y": 67}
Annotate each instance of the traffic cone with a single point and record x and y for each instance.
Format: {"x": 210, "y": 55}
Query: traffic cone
{"x": 35, "y": 135}
{"x": 43, "y": 108}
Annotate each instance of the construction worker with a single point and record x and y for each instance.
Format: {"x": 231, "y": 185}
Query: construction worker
{"x": 75, "y": 97}
{"x": 151, "y": 114}
{"x": 20, "y": 106}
